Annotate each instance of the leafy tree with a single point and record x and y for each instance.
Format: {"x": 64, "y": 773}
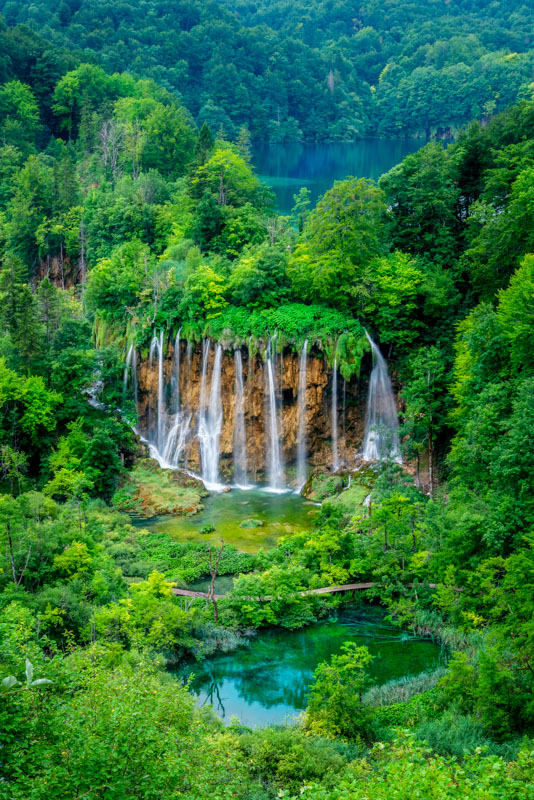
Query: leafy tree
{"x": 20, "y": 116}
{"x": 335, "y": 702}
{"x": 344, "y": 232}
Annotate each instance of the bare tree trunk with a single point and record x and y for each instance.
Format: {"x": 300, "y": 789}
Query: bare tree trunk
{"x": 62, "y": 264}
{"x": 214, "y": 571}
{"x": 83, "y": 270}
{"x": 430, "y": 464}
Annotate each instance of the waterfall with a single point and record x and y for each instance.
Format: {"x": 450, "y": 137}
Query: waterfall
{"x": 335, "y": 449}
{"x": 176, "y": 375}
{"x": 301, "y": 434}
{"x": 381, "y": 423}
{"x": 152, "y": 421}
{"x": 127, "y": 366}
{"x": 274, "y": 466}
{"x": 162, "y": 421}
{"x": 240, "y": 441}
{"x": 210, "y": 420}
{"x": 179, "y": 432}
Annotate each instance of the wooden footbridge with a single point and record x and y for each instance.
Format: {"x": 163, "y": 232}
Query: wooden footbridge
{"x": 347, "y": 587}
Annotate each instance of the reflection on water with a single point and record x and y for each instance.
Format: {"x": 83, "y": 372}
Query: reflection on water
{"x": 267, "y": 682}
{"x": 281, "y": 515}
{"x": 289, "y": 166}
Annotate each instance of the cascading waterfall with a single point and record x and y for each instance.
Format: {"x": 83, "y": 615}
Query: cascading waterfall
{"x": 240, "y": 441}
{"x": 335, "y": 448}
{"x": 210, "y": 421}
{"x": 180, "y": 402}
{"x": 274, "y": 464}
{"x": 381, "y": 438}
{"x": 301, "y": 434}
{"x": 179, "y": 432}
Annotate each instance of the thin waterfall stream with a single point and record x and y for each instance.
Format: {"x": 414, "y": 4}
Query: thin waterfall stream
{"x": 274, "y": 466}
{"x": 162, "y": 421}
{"x": 210, "y": 423}
{"x": 176, "y": 376}
{"x": 335, "y": 447}
{"x": 240, "y": 439}
{"x": 127, "y": 366}
{"x": 301, "y": 433}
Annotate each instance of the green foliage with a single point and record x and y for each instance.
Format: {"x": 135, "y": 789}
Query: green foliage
{"x": 335, "y": 704}
{"x": 342, "y": 235}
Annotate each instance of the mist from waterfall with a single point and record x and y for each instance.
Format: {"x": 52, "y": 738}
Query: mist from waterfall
{"x": 211, "y": 418}
{"x": 335, "y": 447}
{"x": 301, "y": 432}
{"x": 275, "y": 469}
{"x": 381, "y": 440}
{"x": 240, "y": 439}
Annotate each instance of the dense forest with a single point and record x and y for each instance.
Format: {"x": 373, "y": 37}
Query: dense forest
{"x": 128, "y": 206}
{"x": 288, "y": 71}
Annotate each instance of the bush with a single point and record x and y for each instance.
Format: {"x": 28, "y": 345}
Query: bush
{"x": 456, "y": 734}
{"x": 287, "y": 757}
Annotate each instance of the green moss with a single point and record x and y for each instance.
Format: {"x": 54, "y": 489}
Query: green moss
{"x": 252, "y": 523}
{"x": 350, "y": 500}
{"x": 322, "y": 484}
{"x": 150, "y": 491}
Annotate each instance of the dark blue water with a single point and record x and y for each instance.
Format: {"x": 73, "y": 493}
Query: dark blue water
{"x": 289, "y": 166}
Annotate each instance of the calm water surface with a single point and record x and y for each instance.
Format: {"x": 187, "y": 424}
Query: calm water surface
{"x": 281, "y": 514}
{"x": 267, "y": 682}
{"x": 289, "y": 166}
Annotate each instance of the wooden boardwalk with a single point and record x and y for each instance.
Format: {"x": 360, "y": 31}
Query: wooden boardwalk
{"x": 347, "y": 587}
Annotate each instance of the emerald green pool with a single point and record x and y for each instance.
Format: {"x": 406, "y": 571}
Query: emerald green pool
{"x": 266, "y": 683}
{"x": 281, "y": 514}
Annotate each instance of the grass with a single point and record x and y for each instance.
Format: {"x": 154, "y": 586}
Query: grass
{"x": 403, "y": 689}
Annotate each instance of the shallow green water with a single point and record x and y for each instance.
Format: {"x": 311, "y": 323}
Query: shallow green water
{"x": 288, "y": 166}
{"x": 266, "y": 683}
{"x": 282, "y": 514}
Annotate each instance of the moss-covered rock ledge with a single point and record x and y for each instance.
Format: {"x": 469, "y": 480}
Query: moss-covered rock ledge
{"x": 149, "y": 491}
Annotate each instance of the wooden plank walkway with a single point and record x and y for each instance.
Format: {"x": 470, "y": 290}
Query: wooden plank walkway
{"x": 347, "y": 587}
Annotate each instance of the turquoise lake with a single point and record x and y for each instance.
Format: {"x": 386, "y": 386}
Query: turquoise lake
{"x": 266, "y": 682}
{"x": 288, "y": 166}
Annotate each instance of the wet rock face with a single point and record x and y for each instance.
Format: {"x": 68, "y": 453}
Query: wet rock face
{"x": 351, "y": 406}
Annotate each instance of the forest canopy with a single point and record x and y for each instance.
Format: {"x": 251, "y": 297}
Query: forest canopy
{"x": 293, "y": 70}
